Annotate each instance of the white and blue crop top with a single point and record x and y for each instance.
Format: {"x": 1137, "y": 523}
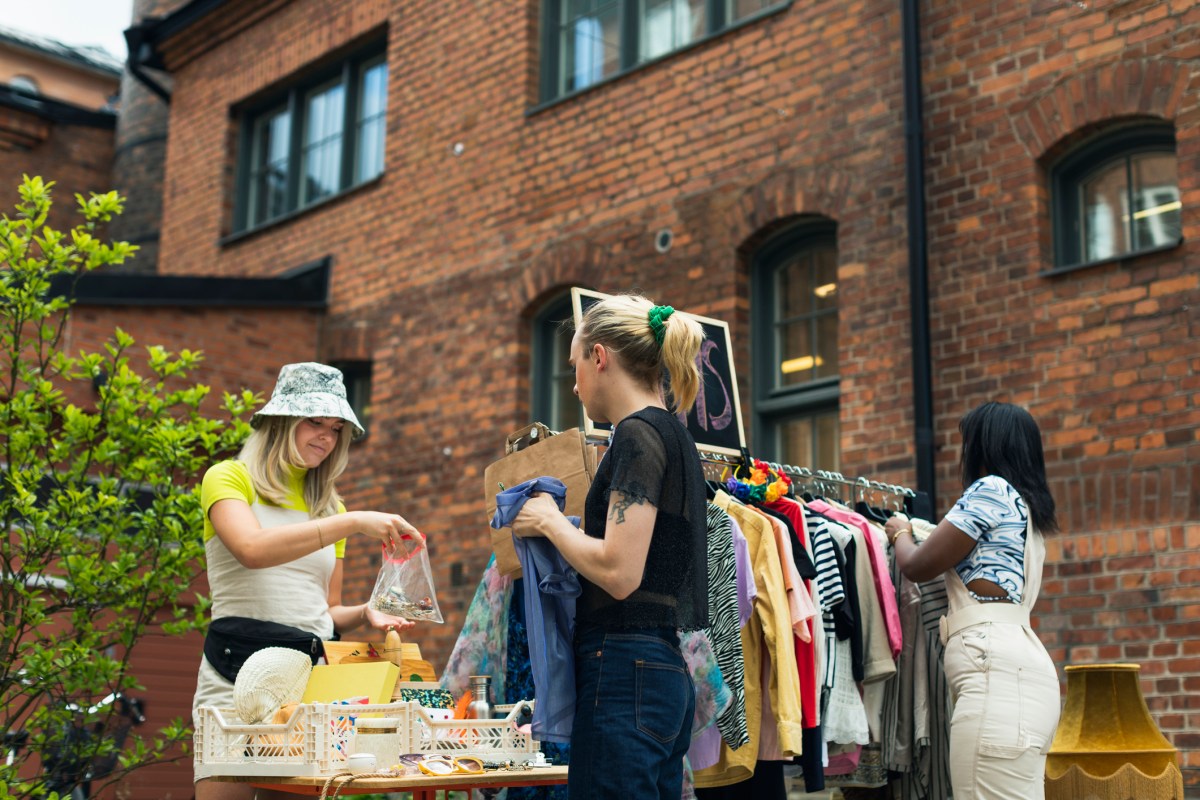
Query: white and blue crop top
{"x": 993, "y": 514}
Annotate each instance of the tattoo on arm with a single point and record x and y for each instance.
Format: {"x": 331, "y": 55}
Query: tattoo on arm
{"x": 620, "y": 503}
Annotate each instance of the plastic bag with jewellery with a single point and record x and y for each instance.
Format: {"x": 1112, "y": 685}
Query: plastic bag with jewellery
{"x": 404, "y": 587}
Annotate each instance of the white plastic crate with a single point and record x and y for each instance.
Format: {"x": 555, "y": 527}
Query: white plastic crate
{"x": 317, "y": 738}
{"x": 496, "y": 739}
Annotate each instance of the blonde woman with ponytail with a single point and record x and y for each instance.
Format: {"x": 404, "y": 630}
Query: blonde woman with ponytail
{"x": 641, "y": 554}
{"x": 274, "y": 538}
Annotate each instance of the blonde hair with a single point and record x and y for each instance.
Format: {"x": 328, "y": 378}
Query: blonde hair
{"x": 622, "y": 324}
{"x": 271, "y": 449}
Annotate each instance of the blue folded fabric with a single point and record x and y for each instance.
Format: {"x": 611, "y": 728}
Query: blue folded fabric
{"x": 551, "y": 586}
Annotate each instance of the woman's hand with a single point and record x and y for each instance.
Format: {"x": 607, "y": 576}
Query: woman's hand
{"x": 536, "y": 516}
{"x": 896, "y": 526}
{"x": 387, "y": 528}
{"x": 381, "y": 622}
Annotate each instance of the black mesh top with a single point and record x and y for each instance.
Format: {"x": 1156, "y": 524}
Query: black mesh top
{"x": 653, "y": 457}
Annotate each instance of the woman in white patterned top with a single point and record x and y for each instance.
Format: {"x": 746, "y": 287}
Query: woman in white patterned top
{"x": 990, "y": 549}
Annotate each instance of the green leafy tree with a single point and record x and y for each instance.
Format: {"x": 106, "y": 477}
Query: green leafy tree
{"x": 99, "y": 508}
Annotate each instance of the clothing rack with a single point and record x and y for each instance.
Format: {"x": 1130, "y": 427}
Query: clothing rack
{"x": 826, "y": 482}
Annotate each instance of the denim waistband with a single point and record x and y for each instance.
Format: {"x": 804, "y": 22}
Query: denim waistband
{"x": 588, "y": 631}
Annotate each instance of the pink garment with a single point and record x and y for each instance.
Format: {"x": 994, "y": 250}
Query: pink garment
{"x": 879, "y": 569}
{"x": 844, "y": 763}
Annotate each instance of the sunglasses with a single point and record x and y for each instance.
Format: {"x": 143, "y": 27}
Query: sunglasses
{"x": 446, "y": 765}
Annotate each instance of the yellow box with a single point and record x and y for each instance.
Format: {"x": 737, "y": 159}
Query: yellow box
{"x": 329, "y": 682}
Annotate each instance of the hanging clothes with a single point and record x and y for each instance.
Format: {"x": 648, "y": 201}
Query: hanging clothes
{"x": 768, "y": 634}
{"x": 482, "y": 644}
{"x": 723, "y": 630}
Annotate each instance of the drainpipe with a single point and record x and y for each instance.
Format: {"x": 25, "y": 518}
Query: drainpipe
{"x": 141, "y": 51}
{"x": 918, "y": 262}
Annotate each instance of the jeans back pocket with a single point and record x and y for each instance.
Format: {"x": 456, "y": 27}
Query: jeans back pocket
{"x": 662, "y": 700}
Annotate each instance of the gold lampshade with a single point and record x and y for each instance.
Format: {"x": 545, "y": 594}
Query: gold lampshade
{"x": 1107, "y": 744}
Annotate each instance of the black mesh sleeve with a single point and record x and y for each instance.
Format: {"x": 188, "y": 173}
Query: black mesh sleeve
{"x": 639, "y": 462}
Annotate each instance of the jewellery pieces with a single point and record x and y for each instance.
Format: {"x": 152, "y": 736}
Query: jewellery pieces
{"x": 396, "y": 603}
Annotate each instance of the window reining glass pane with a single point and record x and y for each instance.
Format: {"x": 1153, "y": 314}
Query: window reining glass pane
{"x": 324, "y": 115}
{"x": 269, "y": 174}
{"x": 826, "y": 365}
{"x": 793, "y": 287}
{"x": 811, "y": 440}
{"x": 372, "y": 122}
{"x": 566, "y": 412}
{"x": 667, "y": 25}
{"x": 590, "y": 42}
{"x": 1157, "y": 210}
{"x": 1106, "y": 213}
{"x": 739, "y": 9}
{"x": 797, "y": 360}
{"x": 806, "y": 320}
{"x": 828, "y": 446}
{"x": 797, "y": 443}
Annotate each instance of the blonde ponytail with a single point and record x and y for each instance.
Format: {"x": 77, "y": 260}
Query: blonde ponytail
{"x": 623, "y": 324}
{"x": 682, "y": 337}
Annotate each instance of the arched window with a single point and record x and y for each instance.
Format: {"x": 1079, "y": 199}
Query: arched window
{"x": 795, "y": 344}
{"x": 553, "y": 380}
{"x": 1116, "y": 196}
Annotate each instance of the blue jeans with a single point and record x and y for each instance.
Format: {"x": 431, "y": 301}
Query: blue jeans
{"x": 634, "y": 703}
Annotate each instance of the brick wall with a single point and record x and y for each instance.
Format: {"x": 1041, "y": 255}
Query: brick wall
{"x": 78, "y": 158}
{"x": 439, "y": 265}
{"x": 1105, "y": 358}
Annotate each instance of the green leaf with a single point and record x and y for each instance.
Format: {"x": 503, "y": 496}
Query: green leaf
{"x": 101, "y": 501}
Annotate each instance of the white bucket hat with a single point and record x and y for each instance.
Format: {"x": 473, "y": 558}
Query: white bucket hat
{"x": 309, "y": 389}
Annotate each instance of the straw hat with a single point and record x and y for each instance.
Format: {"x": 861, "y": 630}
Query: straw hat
{"x": 309, "y": 389}
{"x": 271, "y": 678}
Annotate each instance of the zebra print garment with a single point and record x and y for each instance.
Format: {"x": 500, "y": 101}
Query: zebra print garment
{"x": 723, "y": 630}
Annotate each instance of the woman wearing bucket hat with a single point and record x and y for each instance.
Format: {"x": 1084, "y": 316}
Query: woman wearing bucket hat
{"x": 275, "y": 531}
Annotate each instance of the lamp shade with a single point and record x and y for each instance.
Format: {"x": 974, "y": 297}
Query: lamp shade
{"x": 1106, "y": 737}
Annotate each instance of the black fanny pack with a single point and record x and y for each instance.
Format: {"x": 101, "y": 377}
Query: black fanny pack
{"x": 232, "y": 640}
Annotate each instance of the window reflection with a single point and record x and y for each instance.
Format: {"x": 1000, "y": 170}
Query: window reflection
{"x": 811, "y": 440}
{"x": 324, "y": 114}
{"x": 372, "y": 121}
{"x": 553, "y": 379}
{"x": 591, "y": 42}
{"x": 1131, "y": 204}
{"x": 740, "y": 9}
{"x": 806, "y": 323}
{"x": 670, "y": 24}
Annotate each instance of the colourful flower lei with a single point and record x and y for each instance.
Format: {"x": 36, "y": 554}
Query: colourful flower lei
{"x": 763, "y": 485}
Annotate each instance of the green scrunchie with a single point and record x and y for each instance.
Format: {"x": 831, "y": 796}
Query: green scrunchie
{"x": 658, "y": 317}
